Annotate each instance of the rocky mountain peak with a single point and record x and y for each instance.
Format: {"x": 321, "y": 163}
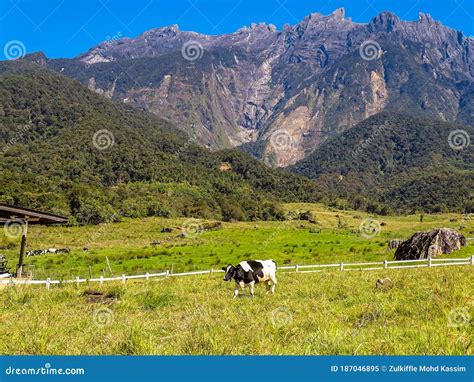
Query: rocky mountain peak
{"x": 317, "y": 18}
{"x": 316, "y": 23}
{"x": 384, "y": 22}
{"x": 338, "y": 14}
{"x": 165, "y": 32}
{"x": 425, "y": 18}
{"x": 37, "y": 57}
{"x": 260, "y": 27}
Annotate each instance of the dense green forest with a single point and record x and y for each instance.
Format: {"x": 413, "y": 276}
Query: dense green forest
{"x": 392, "y": 163}
{"x": 49, "y": 159}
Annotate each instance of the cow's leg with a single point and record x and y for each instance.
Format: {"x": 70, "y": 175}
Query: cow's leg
{"x": 274, "y": 283}
{"x": 268, "y": 286}
{"x": 252, "y": 284}
{"x": 238, "y": 285}
{"x": 236, "y": 289}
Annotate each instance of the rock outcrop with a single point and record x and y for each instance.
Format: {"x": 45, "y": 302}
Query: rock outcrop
{"x": 423, "y": 245}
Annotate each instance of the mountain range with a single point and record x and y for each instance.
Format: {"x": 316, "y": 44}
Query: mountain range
{"x": 280, "y": 94}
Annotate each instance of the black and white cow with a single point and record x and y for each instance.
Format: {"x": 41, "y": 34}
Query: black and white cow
{"x": 60, "y": 250}
{"x": 37, "y": 252}
{"x": 251, "y": 272}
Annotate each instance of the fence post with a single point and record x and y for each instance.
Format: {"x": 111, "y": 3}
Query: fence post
{"x": 167, "y": 272}
{"x": 341, "y": 266}
{"x": 101, "y": 280}
{"x": 297, "y": 268}
{"x": 429, "y": 261}
{"x": 123, "y": 279}
{"x": 48, "y": 283}
{"x": 472, "y": 259}
{"x": 147, "y": 276}
{"x": 385, "y": 264}
{"x": 212, "y": 270}
{"x": 77, "y": 281}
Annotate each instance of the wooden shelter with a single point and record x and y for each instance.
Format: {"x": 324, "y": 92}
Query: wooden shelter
{"x": 20, "y": 218}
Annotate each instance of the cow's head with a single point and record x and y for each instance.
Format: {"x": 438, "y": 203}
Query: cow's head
{"x": 229, "y": 272}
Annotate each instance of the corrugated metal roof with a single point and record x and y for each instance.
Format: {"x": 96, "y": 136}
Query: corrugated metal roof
{"x": 9, "y": 212}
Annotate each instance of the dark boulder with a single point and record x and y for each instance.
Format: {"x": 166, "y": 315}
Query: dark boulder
{"x": 423, "y": 245}
{"x": 308, "y": 216}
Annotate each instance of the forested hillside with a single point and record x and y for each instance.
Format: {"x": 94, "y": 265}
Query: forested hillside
{"x": 393, "y": 163}
{"x": 70, "y": 151}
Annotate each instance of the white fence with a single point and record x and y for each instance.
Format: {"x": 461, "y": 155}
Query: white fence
{"x": 368, "y": 266}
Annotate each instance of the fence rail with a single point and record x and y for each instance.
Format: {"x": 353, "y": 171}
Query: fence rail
{"x": 367, "y": 266}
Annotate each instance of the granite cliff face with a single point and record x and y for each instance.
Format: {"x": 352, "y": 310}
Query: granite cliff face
{"x": 281, "y": 94}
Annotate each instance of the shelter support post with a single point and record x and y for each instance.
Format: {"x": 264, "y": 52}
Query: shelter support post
{"x": 21, "y": 260}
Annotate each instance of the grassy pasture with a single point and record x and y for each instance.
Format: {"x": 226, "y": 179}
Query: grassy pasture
{"x": 428, "y": 311}
{"x": 332, "y": 238}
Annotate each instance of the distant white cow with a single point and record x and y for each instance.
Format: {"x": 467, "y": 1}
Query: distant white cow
{"x": 251, "y": 272}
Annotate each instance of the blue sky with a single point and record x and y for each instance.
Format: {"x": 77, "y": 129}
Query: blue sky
{"x": 65, "y": 28}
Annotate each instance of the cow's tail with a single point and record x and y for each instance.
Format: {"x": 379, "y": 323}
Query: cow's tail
{"x": 274, "y": 262}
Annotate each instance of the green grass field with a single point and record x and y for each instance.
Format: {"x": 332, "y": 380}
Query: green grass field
{"x": 426, "y": 312}
{"x": 334, "y": 237}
